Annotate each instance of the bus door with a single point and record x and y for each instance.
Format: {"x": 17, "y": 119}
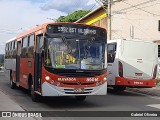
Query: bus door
{"x": 38, "y": 62}
{"x": 111, "y": 49}
{"x": 18, "y": 62}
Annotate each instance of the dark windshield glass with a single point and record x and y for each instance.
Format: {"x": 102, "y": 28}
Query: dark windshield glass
{"x": 75, "y": 53}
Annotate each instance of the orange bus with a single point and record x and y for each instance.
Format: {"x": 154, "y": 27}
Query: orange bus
{"x": 59, "y": 59}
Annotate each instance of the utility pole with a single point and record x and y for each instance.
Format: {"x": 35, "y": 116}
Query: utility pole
{"x": 109, "y": 35}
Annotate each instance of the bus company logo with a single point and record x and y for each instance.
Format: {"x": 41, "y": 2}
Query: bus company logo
{"x": 66, "y": 79}
{"x": 92, "y": 79}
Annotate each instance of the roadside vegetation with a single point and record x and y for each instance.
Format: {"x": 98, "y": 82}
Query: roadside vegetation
{"x": 1, "y": 60}
{"x": 76, "y": 15}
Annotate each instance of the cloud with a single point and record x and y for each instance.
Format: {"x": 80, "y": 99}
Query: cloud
{"x": 18, "y": 15}
{"x": 68, "y": 6}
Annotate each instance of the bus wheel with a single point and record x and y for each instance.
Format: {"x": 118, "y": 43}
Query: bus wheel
{"x": 12, "y": 84}
{"x": 34, "y": 96}
{"x": 119, "y": 88}
{"x": 80, "y": 98}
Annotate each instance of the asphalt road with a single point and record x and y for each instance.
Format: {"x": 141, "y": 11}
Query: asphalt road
{"x": 125, "y": 101}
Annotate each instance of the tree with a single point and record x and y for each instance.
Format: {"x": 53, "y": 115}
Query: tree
{"x": 1, "y": 59}
{"x": 73, "y": 16}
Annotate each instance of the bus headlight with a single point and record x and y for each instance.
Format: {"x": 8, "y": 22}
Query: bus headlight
{"x": 47, "y": 78}
{"x": 105, "y": 78}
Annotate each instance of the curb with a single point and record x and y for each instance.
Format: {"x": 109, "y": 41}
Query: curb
{"x": 155, "y": 91}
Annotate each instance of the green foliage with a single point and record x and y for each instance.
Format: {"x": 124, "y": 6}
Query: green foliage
{"x": 73, "y": 16}
{"x": 1, "y": 60}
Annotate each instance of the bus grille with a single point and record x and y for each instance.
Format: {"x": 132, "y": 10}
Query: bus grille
{"x": 85, "y": 91}
{"x": 78, "y": 84}
{"x": 77, "y": 93}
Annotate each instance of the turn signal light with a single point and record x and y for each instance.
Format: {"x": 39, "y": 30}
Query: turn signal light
{"x": 120, "y": 69}
{"x": 155, "y": 72}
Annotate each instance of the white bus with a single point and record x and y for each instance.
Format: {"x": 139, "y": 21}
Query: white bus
{"x": 132, "y": 63}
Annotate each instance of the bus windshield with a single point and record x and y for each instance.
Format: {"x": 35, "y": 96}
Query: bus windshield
{"x": 75, "y": 53}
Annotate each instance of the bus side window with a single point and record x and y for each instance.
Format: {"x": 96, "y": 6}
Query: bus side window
{"x": 24, "y": 47}
{"x": 41, "y": 44}
{"x": 14, "y": 49}
{"x": 31, "y": 39}
{"x": 9, "y": 49}
{"x": 6, "y": 50}
{"x": 111, "y": 48}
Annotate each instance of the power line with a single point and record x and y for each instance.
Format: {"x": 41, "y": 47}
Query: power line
{"x": 132, "y": 6}
{"x": 9, "y": 31}
{"x": 100, "y": 4}
{"x": 140, "y": 9}
{"x": 129, "y": 18}
{"x": 143, "y": 3}
{"x": 92, "y": 6}
{"x": 143, "y": 7}
{"x": 5, "y": 32}
{"x": 135, "y": 6}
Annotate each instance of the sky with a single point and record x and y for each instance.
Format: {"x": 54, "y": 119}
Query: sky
{"x": 19, "y": 15}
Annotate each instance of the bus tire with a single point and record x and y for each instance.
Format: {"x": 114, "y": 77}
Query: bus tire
{"x": 80, "y": 98}
{"x": 119, "y": 88}
{"x": 35, "y": 97}
{"x": 29, "y": 84}
{"x": 12, "y": 84}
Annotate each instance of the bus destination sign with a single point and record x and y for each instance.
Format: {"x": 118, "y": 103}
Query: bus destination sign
{"x": 74, "y": 29}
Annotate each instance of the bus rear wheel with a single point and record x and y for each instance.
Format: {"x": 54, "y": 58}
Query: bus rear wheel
{"x": 12, "y": 84}
{"x": 80, "y": 98}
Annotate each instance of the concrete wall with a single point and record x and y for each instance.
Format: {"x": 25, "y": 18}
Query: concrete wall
{"x": 136, "y": 19}
{"x": 130, "y": 19}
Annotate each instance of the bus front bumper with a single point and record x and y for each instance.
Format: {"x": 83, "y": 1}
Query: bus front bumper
{"x": 51, "y": 90}
{"x": 120, "y": 81}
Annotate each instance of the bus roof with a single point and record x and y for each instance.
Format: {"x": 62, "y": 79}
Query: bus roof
{"x": 11, "y": 39}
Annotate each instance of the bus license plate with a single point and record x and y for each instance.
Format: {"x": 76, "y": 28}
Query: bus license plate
{"x": 78, "y": 90}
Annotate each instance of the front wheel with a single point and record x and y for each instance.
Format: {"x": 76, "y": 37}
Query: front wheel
{"x": 35, "y": 97}
{"x": 80, "y": 98}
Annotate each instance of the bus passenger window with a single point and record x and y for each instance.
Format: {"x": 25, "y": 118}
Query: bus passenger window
{"x": 31, "y": 46}
{"x": 111, "y": 52}
{"x": 24, "y": 53}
